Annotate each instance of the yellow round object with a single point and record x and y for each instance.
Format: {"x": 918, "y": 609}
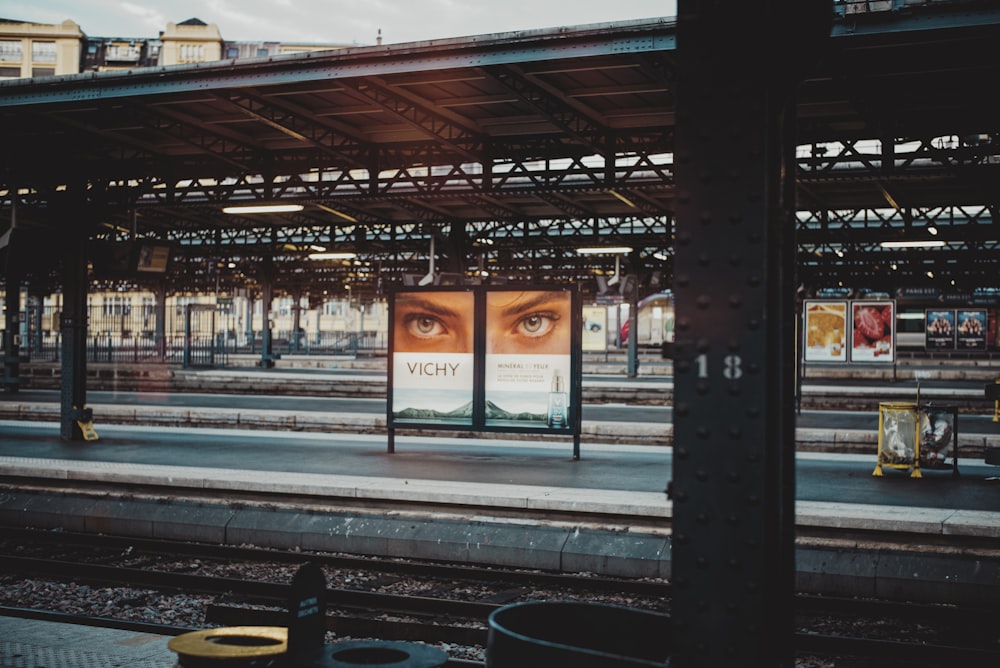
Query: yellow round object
{"x": 247, "y": 643}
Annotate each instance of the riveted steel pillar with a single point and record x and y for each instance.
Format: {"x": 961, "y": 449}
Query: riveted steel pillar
{"x": 36, "y": 303}
{"x": 73, "y": 327}
{"x": 297, "y": 332}
{"x": 733, "y": 466}
{"x": 266, "y": 278}
{"x": 12, "y": 332}
{"x": 160, "y": 320}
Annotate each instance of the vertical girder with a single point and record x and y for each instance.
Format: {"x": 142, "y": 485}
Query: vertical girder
{"x": 733, "y": 472}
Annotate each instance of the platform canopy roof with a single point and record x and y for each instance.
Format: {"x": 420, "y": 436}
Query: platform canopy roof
{"x": 511, "y": 150}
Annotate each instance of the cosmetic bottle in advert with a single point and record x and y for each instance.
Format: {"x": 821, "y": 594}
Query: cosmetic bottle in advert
{"x": 558, "y": 404}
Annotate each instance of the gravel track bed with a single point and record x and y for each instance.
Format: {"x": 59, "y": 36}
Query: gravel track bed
{"x": 149, "y": 606}
{"x": 189, "y": 610}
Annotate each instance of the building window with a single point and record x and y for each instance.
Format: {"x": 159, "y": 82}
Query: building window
{"x": 43, "y": 71}
{"x": 192, "y": 53}
{"x": 122, "y": 53}
{"x": 10, "y": 72}
{"x": 43, "y": 52}
{"x": 10, "y": 50}
{"x": 261, "y": 53}
{"x": 116, "y": 305}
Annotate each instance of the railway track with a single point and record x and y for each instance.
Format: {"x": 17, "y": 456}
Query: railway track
{"x": 438, "y": 603}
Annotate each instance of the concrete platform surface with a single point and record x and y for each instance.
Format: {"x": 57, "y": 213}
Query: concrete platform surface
{"x": 33, "y": 643}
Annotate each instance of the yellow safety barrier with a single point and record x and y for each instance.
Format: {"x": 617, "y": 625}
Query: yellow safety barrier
{"x": 898, "y": 438}
{"x": 86, "y": 423}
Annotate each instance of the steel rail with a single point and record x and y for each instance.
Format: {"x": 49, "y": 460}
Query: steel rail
{"x": 381, "y": 565}
{"x": 438, "y": 610}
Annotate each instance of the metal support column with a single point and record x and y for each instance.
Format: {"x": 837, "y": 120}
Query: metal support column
{"x": 298, "y": 334}
{"x": 12, "y": 333}
{"x": 633, "y": 333}
{"x": 160, "y": 320}
{"x": 267, "y": 356}
{"x": 733, "y": 464}
{"x": 248, "y": 318}
{"x": 73, "y": 383}
{"x": 188, "y": 341}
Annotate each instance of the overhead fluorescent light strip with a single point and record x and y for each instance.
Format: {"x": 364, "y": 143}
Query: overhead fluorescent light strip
{"x": 604, "y": 250}
{"x": 929, "y": 243}
{"x": 346, "y": 255}
{"x": 263, "y": 208}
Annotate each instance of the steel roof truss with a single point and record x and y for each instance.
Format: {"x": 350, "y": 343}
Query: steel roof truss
{"x": 437, "y": 124}
{"x": 347, "y": 148}
{"x": 570, "y": 116}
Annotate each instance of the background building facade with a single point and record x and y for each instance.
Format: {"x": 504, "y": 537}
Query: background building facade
{"x": 30, "y": 50}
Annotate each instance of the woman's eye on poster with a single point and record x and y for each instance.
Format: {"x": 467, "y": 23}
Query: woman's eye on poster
{"x": 528, "y": 322}
{"x": 434, "y": 322}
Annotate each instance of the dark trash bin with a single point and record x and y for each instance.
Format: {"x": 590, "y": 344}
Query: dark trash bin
{"x": 383, "y": 654}
{"x": 582, "y": 635}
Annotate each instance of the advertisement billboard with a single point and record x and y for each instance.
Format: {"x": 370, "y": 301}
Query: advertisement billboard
{"x": 826, "y": 331}
{"x": 971, "y": 329}
{"x": 485, "y": 358}
{"x": 528, "y": 347}
{"x": 595, "y": 326}
{"x": 433, "y": 357}
{"x": 873, "y": 327}
{"x": 848, "y": 331}
{"x": 939, "y": 329}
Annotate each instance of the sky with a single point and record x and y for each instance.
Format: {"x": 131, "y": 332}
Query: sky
{"x": 332, "y": 21}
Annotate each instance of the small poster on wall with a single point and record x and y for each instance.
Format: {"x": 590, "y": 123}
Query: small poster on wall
{"x": 595, "y": 329}
{"x": 971, "y": 329}
{"x": 826, "y": 331}
{"x": 873, "y": 327}
{"x": 939, "y": 329}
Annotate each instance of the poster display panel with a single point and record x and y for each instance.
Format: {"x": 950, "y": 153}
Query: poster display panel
{"x": 595, "y": 329}
{"x": 939, "y": 329}
{"x": 971, "y": 328}
{"x": 873, "y": 328}
{"x": 826, "y": 331}
{"x": 433, "y": 357}
{"x": 528, "y": 358}
{"x": 490, "y": 359}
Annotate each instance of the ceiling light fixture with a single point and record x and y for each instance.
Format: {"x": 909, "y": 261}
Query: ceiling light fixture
{"x": 617, "y": 275}
{"x": 429, "y": 278}
{"x": 345, "y": 255}
{"x": 263, "y": 208}
{"x": 929, "y": 243}
{"x": 605, "y": 250}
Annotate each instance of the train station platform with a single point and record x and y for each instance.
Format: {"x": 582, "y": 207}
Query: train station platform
{"x": 37, "y": 643}
{"x": 507, "y": 503}
{"x": 281, "y": 460}
{"x": 838, "y": 415}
